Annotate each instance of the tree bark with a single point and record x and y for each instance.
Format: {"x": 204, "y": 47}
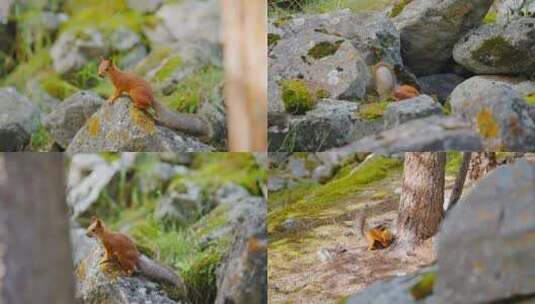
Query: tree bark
{"x": 481, "y": 164}
{"x": 422, "y": 197}
{"x": 38, "y": 258}
{"x": 245, "y": 50}
{"x": 459, "y": 180}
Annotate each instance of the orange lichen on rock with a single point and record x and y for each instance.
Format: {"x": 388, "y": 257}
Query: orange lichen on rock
{"x": 405, "y": 92}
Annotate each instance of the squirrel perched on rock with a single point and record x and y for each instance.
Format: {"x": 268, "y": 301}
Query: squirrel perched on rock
{"x": 378, "y": 237}
{"x": 386, "y": 84}
{"x": 140, "y": 91}
{"x": 121, "y": 250}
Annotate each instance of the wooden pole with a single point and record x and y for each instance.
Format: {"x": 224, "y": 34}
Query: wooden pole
{"x": 245, "y": 51}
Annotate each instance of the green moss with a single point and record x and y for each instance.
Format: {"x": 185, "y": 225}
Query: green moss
{"x": 447, "y": 108}
{"x": 169, "y": 67}
{"x": 212, "y": 221}
{"x": 273, "y": 39}
{"x": 22, "y": 74}
{"x": 530, "y": 99}
{"x": 280, "y": 22}
{"x": 498, "y": 51}
{"x": 490, "y": 18}
{"x": 291, "y": 195}
{"x": 201, "y": 278}
{"x": 324, "y": 49}
{"x": 192, "y": 91}
{"x": 41, "y": 140}
{"x": 454, "y": 160}
{"x": 372, "y": 111}
{"x": 399, "y": 7}
{"x": 424, "y": 287}
{"x": 328, "y": 195}
{"x": 57, "y": 87}
{"x": 322, "y": 94}
{"x": 153, "y": 60}
{"x": 296, "y": 97}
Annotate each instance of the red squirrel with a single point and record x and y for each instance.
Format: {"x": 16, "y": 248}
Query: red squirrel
{"x": 386, "y": 83}
{"x": 142, "y": 96}
{"x": 122, "y": 251}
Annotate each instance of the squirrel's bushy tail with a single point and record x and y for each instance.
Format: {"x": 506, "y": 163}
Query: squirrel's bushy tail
{"x": 155, "y": 271}
{"x": 188, "y": 123}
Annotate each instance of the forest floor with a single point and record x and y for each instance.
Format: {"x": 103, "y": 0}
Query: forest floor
{"x": 328, "y": 260}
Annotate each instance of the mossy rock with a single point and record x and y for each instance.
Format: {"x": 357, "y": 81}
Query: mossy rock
{"x": 297, "y": 97}
{"x": 498, "y": 51}
{"x": 399, "y": 7}
{"x": 324, "y": 49}
{"x": 372, "y": 111}
{"x": 273, "y": 39}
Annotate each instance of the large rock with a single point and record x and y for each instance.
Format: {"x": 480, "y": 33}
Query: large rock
{"x": 95, "y": 285}
{"x": 72, "y": 50}
{"x": 398, "y": 113}
{"x": 499, "y": 48}
{"x": 69, "y": 116}
{"x": 497, "y": 112}
{"x": 425, "y": 52}
{"x": 434, "y": 133}
{"x": 19, "y": 118}
{"x": 332, "y": 53}
{"x": 191, "y": 20}
{"x": 332, "y": 123}
{"x": 507, "y": 10}
{"x": 182, "y": 207}
{"x": 486, "y": 245}
{"x": 439, "y": 85}
{"x": 35, "y": 92}
{"x": 121, "y": 127}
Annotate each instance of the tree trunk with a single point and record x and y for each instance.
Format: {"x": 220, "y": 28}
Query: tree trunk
{"x": 38, "y": 259}
{"x": 481, "y": 164}
{"x": 422, "y": 197}
{"x": 459, "y": 180}
{"x": 245, "y": 49}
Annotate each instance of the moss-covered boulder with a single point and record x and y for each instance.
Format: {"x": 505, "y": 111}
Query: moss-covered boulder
{"x": 419, "y": 21}
{"x": 497, "y": 112}
{"x": 507, "y": 10}
{"x": 499, "y": 49}
{"x": 19, "y": 119}
{"x": 68, "y": 117}
{"x": 122, "y": 127}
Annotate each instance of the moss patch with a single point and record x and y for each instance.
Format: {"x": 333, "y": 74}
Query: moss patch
{"x": 324, "y": 49}
{"x": 486, "y": 124}
{"x": 372, "y": 111}
{"x": 498, "y": 51}
{"x": 399, "y": 7}
{"x": 424, "y": 287}
{"x": 153, "y": 60}
{"x": 93, "y": 126}
{"x": 273, "y": 39}
{"x": 27, "y": 70}
{"x": 296, "y": 97}
{"x": 530, "y": 100}
{"x": 57, "y": 87}
{"x": 41, "y": 140}
{"x": 454, "y": 160}
{"x": 169, "y": 67}
{"x": 142, "y": 120}
{"x": 490, "y": 18}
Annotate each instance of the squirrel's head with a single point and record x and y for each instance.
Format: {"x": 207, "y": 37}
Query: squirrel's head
{"x": 105, "y": 66}
{"x": 96, "y": 227}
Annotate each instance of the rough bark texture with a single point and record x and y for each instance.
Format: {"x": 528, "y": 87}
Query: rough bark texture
{"x": 38, "y": 258}
{"x": 245, "y": 49}
{"x": 459, "y": 180}
{"x": 422, "y": 196}
{"x": 481, "y": 163}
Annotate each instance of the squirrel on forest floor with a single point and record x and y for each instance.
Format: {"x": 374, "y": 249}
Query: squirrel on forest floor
{"x": 386, "y": 84}
{"x": 120, "y": 250}
{"x": 142, "y": 96}
{"x": 378, "y": 237}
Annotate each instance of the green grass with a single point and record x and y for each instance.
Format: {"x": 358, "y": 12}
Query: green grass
{"x": 55, "y": 86}
{"x": 530, "y": 99}
{"x": 290, "y": 195}
{"x": 330, "y": 194}
{"x": 192, "y": 91}
{"x": 454, "y": 160}
{"x": 170, "y": 66}
{"x": 490, "y": 18}
{"x": 25, "y": 71}
{"x": 41, "y": 140}
{"x": 372, "y": 111}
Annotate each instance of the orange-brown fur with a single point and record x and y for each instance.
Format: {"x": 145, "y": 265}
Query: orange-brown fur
{"x": 135, "y": 86}
{"x": 118, "y": 248}
{"x": 378, "y": 237}
{"x": 405, "y": 92}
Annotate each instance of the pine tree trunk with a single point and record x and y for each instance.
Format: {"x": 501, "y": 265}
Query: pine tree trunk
{"x": 422, "y": 197}
{"x": 481, "y": 164}
{"x": 459, "y": 180}
{"x": 245, "y": 49}
{"x": 38, "y": 258}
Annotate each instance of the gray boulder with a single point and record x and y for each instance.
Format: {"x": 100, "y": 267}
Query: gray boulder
{"x": 68, "y": 117}
{"x": 486, "y": 246}
{"x": 332, "y": 123}
{"x": 44, "y": 101}
{"x": 332, "y": 53}
{"x": 400, "y": 112}
{"x": 439, "y": 85}
{"x": 121, "y": 127}
{"x": 144, "y": 6}
{"x": 497, "y": 112}
{"x": 182, "y": 207}
{"x": 434, "y": 133}
{"x": 499, "y": 48}
{"x": 72, "y": 51}
{"x": 123, "y": 39}
{"x": 19, "y": 118}
{"x": 97, "y": 286}
{"x": 425, "y": 52}
{"x": 508, "y": 10}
